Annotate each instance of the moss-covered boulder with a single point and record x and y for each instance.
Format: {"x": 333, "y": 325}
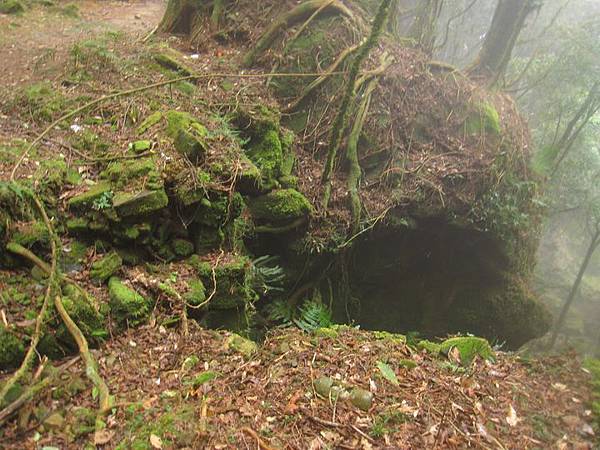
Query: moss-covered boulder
{"x": 234, "y": 280}
{"x": 89, "y": 318}
{"x": 11, "y": 7}
{"x": 182, "y": 247}
{"x": 87, "y": 199}
{"x": 30, "y": 234}
{"x": 146, "y": 202}
{"x": 12, "y": 349}
{"x": 241, "y": 345}
{"x": 105, "y": 267}
{"x": 126, "y": 305}
{"x": 280, "y": 206}
{"x": 196, "y": 294}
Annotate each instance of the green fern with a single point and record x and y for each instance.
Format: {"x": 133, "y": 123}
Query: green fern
{"x": 280, "y": 311}
{"x": 313, "y": 315}
{"x": 268, "y": 275}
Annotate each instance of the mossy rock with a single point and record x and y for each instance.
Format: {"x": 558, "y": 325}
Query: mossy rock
{"x": 126, "y": 305}
{"x": 142, "y": 203}
{"x": 196, "y": 294}
{"x": 468, "y": 347}
{"x": 106, "y": 267}
{"x": 234, "y": 280}
{"x": 130, "y": 173}
{"x": 207, "y": 238}
{"x": 428, "y": 346}
{"x": 241, "y": 345}
{"x": 53, "y": 174}
{"x": 30, "y": 234}
{"x": 90, "y": 321}
{"x": 12, "y": 349}
{"x": 170, "y": 60}
{"x": 11, "y": 7}
{"x": 182, "y": 247}
{"x": 485, "y": 120}
{"x": 190, "y": 145}
{"x": 140, "y": 146}
{"x": 178, "y": 121}
{"x": 249, "y": 181}
{"x": 149, "y": 122}
{"x": 280, "y": 206}
{"x": 86, "y": 199}
{"x": 267, "y": 154}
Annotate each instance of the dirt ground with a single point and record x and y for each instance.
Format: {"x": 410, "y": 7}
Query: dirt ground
{"x": 33, "y": 46}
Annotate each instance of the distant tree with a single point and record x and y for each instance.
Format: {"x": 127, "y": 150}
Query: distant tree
{"x": 593, "y": 245}
{"x": 424, "y": 27}
{"x": 507, "y": 24}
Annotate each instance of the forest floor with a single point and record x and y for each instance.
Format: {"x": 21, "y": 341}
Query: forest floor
{"x": 203, "y": 391}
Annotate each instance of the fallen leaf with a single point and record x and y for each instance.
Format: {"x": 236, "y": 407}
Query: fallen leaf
{"x": 155, "y": 441}
{"x": 102, "y": 437}
{"x": 388, "y": 373}
{"x": 292, "y": 406}
{"x": 512, "y": 418}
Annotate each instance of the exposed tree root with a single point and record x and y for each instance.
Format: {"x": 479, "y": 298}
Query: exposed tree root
{"x": 301, "y": 12}
{"x": 307, "y": 23}
{"x": 39, "y": 322}
{"x": 91, "y": 368}
{"x": 324, "y": 77}
{"x": 33, "y": 390}
{"x": 354, "y": 173}
{"x": 339, "y": 125}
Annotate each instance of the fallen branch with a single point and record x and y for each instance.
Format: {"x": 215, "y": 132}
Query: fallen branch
{"x": 91, "y": 368}
{"x": 32, "y": 391}
{"x": 39, "y": 321}
{"x": 261, "y": 444}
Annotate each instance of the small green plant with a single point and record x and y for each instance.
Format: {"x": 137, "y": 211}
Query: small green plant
{"x": 268, "y": 275}
{"x": 104, "y": 201}
{"x": 311, "y": 316}
{"x": 383, "y": 423}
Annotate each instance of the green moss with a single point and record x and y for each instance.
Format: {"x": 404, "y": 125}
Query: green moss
{"x": 170, "y": 59}
{"x": 177, "y": 121}
{"x": 486, "y": 119}
{"x": 190, "y": 145}
{"x": 407, "y": 363}
{"x": 30, "y": 234}
{"x": 249, "y": 177}
{"x": 89, "y": 320}
{"x": 326, "y": 332}
{"x": 267, "y": 154}
{"x": 207, "y": 238}
{"x": 140, "y": 146}
{"x": 127, "y": 306}
{"x": 43, "y": 101}
{"x": 241, "y": 345}
{"x": 280, "y": 206}
{"x": 123, "y": 173}
{"x": 391, "y": 337}
{"x": 11, "y": 7}
{"x": 468, "y": 347}
{"x": 129, "y": 204}
{"x": 54, "y": 173}
{"x": 87, "y": 198}
{"x": 234, "y": 280}
{"x": 89, "y": 142}
{"x": 429, "y": 347}
{"x": 196, "y": 294}
{"x": 149, "y": 122}
{"x": 12, "y": 349}
{"x": 182, "y": 247}
{"x": 106, "y": 267}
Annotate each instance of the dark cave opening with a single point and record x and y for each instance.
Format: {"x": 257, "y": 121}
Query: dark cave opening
{"x": 430, "y": 277}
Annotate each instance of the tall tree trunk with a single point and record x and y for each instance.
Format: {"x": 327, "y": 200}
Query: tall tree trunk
{"x": 594, "y": 243}
{"x": 423, "y": 29}
{"x": 494, "y": 56}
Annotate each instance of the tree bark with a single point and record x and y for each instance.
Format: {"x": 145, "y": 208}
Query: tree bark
{"x": 594, "y": 243}
{"x": 509, "y": 19}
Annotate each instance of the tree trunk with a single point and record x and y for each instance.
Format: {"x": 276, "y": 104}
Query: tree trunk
{"x": 423, "y": 29}
{"x": 595, "y": 242}
{"x": 494, "y": 56}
